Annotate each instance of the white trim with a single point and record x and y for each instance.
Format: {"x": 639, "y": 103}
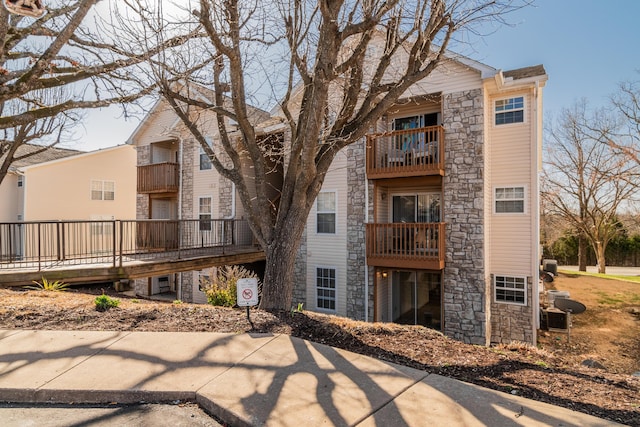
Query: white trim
{"x": 525, "y": 103}
{"x": 335, "y": 212}
{"x": 335, "y": 289}
{"x": 510, "y": 276}
{"x": 525, "y": 205}
{"x": 102, "y": 190}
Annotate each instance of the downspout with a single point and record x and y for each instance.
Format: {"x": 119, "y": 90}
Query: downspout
{"x": 366, "y": 221}
{"x": 180, "y": 161}
{"x": 535, "y": 178}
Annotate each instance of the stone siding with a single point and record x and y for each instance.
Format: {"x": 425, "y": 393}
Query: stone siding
{"x": 189, "y": 153}
{"x": 464, "y": 285}
{"x": 186, "y": 286}
{"x": 356, "y": 244}
{"x": 226, "y": 197}
{"x": 512, "y": 322}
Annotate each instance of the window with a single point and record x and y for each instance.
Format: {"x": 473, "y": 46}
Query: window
{"x": 510, "y": 289}
{"x": 205, "y": 210}
{"x": 510, "y": 110}
{"x": 20, "y": 180}
{"x": 205, "y": 161}
{"x": 103, "y": 190}
{"x": 509, "y": 200}
{"x": 326, "y": 213}
{"x": 326, "y": 288}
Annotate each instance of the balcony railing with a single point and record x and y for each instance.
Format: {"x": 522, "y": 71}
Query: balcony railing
{"x": 406, "y": 245}
{"x": 45, "y": 244}
{"x": 158, "y": 178}
{"x": 405, "y": 153}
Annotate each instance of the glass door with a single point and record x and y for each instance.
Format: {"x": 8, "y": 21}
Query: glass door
{"x": 416, "y": 298}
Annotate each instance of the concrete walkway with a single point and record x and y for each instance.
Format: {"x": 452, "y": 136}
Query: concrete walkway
{"x": 253, "y": 380}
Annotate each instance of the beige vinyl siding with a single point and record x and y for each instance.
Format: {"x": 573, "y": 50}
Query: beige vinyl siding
{"x": 449, "y": 77}
{"x": 10, "y": 204}
{"x": 330, "y": 250}
{"x": 511, "y": 244}
{"x": 61, "y": 189}
{"x": 162, "y": 119}
{"x": 205, "y": 184}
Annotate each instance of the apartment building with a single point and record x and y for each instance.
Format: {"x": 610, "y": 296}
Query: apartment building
{"x": 63, "y": 184}
{"x": 176, "y": 181}
{"x": 433, "y": 219}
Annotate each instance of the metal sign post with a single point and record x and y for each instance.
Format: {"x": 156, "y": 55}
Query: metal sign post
{"x": 247, "y": 295}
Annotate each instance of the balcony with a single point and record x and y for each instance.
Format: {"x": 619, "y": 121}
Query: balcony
{"x": 158, "y": 178}
{"x": 406, "y": 153}
{"x": 406, "y": 245}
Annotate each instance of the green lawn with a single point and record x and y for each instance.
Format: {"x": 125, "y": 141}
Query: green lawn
{"x": 635, "y": 279}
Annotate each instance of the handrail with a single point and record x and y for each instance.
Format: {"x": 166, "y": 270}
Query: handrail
{"x": 42, "y": 244}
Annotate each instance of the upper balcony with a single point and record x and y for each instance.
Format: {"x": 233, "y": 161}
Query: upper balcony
{"x": 158, "y": 178}
{"x": 406, "y": 245}
{"x": 406, "y": 153}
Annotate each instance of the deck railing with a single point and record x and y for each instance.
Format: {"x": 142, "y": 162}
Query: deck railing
{"x": 49, "y": 243}
{"x": 391, "y": 243}
{"x": 158, "y": 178}
{"x": 411, "y": 152}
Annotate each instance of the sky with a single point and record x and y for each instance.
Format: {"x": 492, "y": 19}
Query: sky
{"x": 588, "y": 47}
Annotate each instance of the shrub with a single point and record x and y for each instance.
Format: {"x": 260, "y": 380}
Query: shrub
{"x": 57, "y": 286}
{"x": 104, "y": 302}
{"x": 221, "y": 288}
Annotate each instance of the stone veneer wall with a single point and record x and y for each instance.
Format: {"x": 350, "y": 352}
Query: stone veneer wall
{"x": 190, "y": 151}
{"x": 140, "y": 286}
{"x": 465, "y": 289}
{"x": 512, "y": 322}
{"x": 225, "y": 197}
{"x": 356, "y": 249}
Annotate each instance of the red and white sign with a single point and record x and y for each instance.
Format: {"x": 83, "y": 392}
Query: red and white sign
{"x": 247, "y": 292}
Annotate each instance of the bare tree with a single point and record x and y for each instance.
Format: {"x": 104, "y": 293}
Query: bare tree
{"x": 585, "y": 181}
{"x": 334, "y": 67}
{"x": 627, "y": 102}
{"x": 71, "y": 47}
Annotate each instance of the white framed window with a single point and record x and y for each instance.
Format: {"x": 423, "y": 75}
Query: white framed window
{"x": 205, "y": 161}
{"x": 509, "y": 200}
{"x": 326, "y": 288}
{"x": 20, "y": 180}
{"x": 510, "y": 289}
{"x": 326, "y": 213}
{"x": 103, "y": 190}
{"x": 510, "y": 110}
{"x": 205, "y": 210}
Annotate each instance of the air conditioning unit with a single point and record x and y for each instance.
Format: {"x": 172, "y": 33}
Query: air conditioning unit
{"x": 557, "y": 320}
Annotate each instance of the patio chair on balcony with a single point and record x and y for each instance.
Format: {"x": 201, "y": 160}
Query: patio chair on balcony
{"x": 425, "y": 152}
{"x": 397, "y": 157}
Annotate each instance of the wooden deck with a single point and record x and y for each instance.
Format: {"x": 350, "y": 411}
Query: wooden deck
{"x": 101, "y": 251}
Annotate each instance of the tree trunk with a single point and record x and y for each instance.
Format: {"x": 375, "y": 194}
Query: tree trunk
{"x": 602, "y": 265}
{"x": 277, "y": 286}
{"x": 582, "y": 253}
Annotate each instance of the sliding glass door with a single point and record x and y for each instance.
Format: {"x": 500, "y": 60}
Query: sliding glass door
{"x": 416, "y": 298}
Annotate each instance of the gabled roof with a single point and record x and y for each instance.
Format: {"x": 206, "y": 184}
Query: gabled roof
{"x": 526, "y": 72}
{"x": 47, "y": 155}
